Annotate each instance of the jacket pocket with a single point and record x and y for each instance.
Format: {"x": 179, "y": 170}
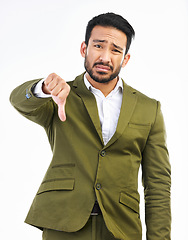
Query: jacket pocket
{"x": 139, "y": 126}
{"x": 129, "y": 202}
{"x": 56, "y": 185}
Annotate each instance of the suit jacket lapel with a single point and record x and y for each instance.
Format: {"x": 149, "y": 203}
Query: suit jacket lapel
{"x": 90, "y": 103}
{"x": 128, "y": 104}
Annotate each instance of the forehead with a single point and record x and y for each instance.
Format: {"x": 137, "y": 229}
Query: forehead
{"x": 109, "y": 35}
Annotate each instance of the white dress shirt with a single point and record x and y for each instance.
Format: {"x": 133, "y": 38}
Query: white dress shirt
{"x": 108, "y": 107}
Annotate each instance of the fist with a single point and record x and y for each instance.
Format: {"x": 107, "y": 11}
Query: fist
{"x": 59, "y": 90}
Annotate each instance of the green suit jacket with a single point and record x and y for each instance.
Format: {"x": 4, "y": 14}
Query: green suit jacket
{"x": 83, "y": 168}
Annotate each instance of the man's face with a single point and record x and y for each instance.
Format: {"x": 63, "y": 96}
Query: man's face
{"x": 105, "y": 53}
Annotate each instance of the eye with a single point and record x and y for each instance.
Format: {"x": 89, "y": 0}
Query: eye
{"x": 116, "y": 51}
{"x": 97, "y": 46}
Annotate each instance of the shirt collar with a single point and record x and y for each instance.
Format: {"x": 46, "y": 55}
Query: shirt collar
{"x": 118, "y": 86}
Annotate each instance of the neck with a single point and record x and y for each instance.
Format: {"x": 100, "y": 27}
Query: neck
{"x": 105, "y": 88}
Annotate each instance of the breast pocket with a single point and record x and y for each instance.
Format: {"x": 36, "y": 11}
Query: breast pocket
{"x": 137, "y": 135}
{"x": 143, "y": 126}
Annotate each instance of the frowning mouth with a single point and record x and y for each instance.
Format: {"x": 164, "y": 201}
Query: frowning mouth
{"x": 101, "y": 67}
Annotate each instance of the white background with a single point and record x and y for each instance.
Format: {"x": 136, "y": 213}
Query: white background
{"x": 41, "y": 36}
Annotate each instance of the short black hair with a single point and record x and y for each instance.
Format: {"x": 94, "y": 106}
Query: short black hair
{"x": 111, "y": 20}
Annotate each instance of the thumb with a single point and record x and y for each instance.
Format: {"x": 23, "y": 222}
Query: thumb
{"x": 61, "y": 111}
{"x": 61, "y": 107}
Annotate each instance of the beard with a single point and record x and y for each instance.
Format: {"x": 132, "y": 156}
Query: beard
{"x": 101, "y": 77}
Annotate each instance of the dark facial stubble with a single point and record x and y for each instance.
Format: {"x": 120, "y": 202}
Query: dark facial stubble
{"x": 101, "y": 79}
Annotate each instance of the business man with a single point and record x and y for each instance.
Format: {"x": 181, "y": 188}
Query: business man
{"x": 100, "y": 130}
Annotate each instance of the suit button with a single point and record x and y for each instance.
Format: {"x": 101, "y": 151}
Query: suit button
{"x": 103, "y": 153}
{"x": 98, "y": 186}
{"x": 28, "y": 95}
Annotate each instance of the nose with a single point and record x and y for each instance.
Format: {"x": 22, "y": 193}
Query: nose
{"x": 105, "y": 56}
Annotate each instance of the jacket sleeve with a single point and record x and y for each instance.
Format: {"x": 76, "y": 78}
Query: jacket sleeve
{"x": 38, "y": 110}
{"x": 156, "y": 176}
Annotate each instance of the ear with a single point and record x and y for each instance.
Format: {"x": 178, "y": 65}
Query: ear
{"x": 83, "y": 49}
{"x": 125, "y": 60}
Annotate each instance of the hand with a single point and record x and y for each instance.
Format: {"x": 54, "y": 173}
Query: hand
{"x": 59, "y": 90}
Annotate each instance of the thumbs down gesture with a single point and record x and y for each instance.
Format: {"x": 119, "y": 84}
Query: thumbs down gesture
{"x": 59, "y": 90}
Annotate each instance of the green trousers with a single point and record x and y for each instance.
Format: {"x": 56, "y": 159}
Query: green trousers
{"x": 95, "y": 229}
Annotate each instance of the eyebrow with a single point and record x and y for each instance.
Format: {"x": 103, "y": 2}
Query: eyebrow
{"x": 116, "y": 46}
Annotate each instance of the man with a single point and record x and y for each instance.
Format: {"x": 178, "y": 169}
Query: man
{"x": 100, "y": 130}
